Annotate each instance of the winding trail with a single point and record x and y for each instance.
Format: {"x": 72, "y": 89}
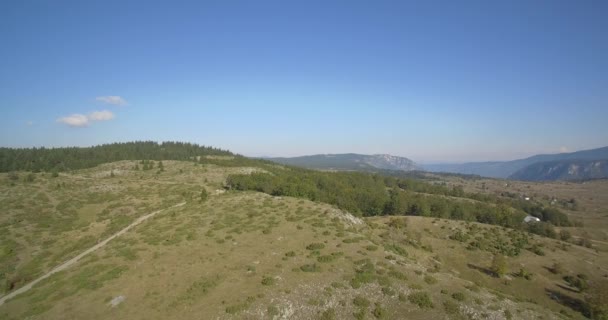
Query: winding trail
{"x": 72, "y": 261}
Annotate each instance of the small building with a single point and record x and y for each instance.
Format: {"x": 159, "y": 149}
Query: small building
{"x": 530, "y": 218}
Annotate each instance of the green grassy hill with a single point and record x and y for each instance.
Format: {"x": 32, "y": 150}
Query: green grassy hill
{"x": 252, "y": 255}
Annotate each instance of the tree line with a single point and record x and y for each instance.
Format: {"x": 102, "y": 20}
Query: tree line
{"x": 72, "y": 158}
{"x": 370, "y": 194}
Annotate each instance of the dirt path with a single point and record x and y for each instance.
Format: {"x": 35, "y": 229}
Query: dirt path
{"x": 72, "y": 261}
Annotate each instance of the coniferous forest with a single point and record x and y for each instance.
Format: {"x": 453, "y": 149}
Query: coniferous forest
{"x": 72, "y": 158}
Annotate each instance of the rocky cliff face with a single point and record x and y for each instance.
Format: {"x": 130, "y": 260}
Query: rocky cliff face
{"x": 389, "y": 162}
{"x": 350, "y": 161}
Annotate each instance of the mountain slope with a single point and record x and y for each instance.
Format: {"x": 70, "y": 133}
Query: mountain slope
{"x": 350, "y": 161}
{"x": 505, "y": 169}
{"x": 563, "y": 170}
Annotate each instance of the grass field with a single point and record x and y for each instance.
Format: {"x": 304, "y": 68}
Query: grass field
{"x": 247, "y": 255}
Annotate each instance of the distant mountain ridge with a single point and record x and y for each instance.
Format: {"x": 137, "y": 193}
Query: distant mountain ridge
{"x": 350, "y": 161}
{"x": 580, "y": 165}
{"x": 563, "y": 170}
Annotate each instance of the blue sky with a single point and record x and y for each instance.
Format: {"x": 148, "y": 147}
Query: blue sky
{"x": 435, "y": 81}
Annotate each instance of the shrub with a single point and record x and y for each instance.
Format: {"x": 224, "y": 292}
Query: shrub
{"x": 451, "y": 307}
{"x": 397, "y": 275}
{"x": 387, "y": 291}
{"x": 379, "y": 312}
{"x": 421, "y": 299}
{"x": 361, "y": 302}
{"x": 398, "y": 223}
{"x": 523, "y": 273}
{"x": 268, "y": 281}
{"x": 315, "y": 246}
{"x": 499, "y": 265}
{"x": 310, "y": 268}
{"x": 557, "y": 268}
{"x": 396, "y": 249}
{"x": 458, "y": 296}
{"x": 329, "y": 314}
{"x": 290, "y": 254}
{"x": 326, "y": 258}
{"x": 430, "y": 279}
{"x": 579, "y": 282}
{"x": 564, "y": 235}
{"x": 273, "y": 311}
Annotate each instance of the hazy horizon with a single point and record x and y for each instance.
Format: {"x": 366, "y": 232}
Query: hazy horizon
{"x": 435, "y": 82}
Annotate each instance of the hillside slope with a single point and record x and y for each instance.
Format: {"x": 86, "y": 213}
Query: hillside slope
{"x": 249, "y": 255}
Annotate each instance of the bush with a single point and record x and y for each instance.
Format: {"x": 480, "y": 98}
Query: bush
{"x": 329, "y": 314}
{"x": 398, "y": 223}
{"x": 451, "y": 307}
{"x": 430, "y": 279}
{"x": 361, "y": 302}
{"x": 387, "y": 291}
{"x": 499, "y": 265}
{"x": 204, "y": 195}
{"x": 268, "y": 281}
{"x": 421, "y": 299}
{"x": 315, "y": 246}
{"x": 557, "y": 268}
{"x": 523, "y": 273}
{"x": 310, "y": 268}
{"x": 379, "y": 312}
{"x": 564, "y": 235}
{"x": 458, "y": 296}
{"x": 579, "y": 282}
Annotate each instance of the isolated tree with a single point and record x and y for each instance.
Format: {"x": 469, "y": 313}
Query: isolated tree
{"x": 204, "y": 195}
{"x": 136, "y": 167}
{"x": 161, "y": 167}
{"x": 499, "y": 265}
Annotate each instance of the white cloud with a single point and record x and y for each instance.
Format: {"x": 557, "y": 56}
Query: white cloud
{"x": 29, "y": 123}
{"x": 113, "y": 100}
{"x": 563, "y": 149}
{"x": 101, "y": 115}
{"x": 75, "y": 120}
{"x": 80, "y": 120}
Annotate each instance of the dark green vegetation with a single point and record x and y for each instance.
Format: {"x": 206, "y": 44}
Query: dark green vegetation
{"x": 374, "y": 194}
{"x": 62, "y": 159}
